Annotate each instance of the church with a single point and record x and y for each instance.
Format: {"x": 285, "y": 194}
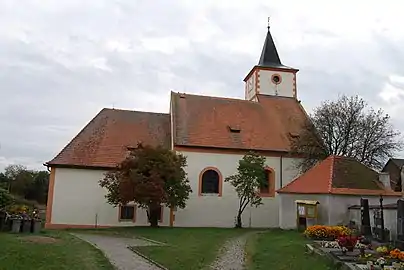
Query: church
{"x": 212, "y": 132}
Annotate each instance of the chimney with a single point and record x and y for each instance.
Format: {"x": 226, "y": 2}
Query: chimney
{"x": 384, "y": 177}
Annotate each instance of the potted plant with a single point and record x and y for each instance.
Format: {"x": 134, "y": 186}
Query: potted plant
{"x": 347, "y": 242}
{"x": 25, "y": 222}
{"x": 36, "y": 223}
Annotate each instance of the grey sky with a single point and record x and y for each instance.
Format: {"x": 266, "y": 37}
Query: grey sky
{"x": 63, "y": 61}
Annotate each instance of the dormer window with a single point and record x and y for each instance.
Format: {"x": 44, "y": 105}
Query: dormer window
{"x": 234, "y": 129}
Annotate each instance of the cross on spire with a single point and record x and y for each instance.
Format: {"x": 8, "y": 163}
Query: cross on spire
{"x": 268, "y": 23}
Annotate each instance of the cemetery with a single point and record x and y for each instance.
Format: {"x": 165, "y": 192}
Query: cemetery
{"x": 367, "y": 245}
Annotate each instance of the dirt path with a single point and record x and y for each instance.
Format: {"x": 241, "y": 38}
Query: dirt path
{"x": 232, "y": 254}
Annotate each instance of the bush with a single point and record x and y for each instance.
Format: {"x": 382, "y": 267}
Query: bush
{"x": 6, "y": 198}
{"x": 326, "y": 232}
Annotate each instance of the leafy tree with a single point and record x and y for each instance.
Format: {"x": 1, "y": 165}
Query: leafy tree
{"x": 150, "y": 177}
{"x": 346, "y": 127}
{"x": 247, "y": 181}
{"x": 4, "y": 181}
{"x": 28, "y": 184}
{"x": 5, "y": 198}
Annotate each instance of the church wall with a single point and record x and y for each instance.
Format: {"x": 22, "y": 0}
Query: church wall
{"x": 288, "y": 208}
{"x": 285, "y": 88}
{"x": 77, "y": 200}
{"x": 220, "y": 211}
{"x": 339, "y": 212}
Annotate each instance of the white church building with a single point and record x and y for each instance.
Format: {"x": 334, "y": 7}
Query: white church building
{"x": 212, "y": 132}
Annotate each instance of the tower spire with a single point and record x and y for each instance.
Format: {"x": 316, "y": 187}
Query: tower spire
{"x": 269, "y": 55}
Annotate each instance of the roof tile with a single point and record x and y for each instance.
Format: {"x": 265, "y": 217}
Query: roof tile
{"x": 104, "y": 141}
{"x": 204, "y": 121}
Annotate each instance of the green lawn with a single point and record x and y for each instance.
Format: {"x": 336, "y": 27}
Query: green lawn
{"x": 37, "y": 252}
{"x": 189, "y": 248}
{"x": 281, "y": 250}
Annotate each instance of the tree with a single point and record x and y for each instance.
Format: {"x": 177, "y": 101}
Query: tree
{"x": 247, "y": 181}
{"x": 150, "y": 177}
{"x": 5, "y": 198}
{"x": 28, "y": 184}
{"x": 346, "y": 127}
{"x": 4, "y": 181}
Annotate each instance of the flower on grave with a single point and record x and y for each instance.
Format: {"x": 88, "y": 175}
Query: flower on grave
{"x": 347, "y": 241}
{"x": 395, "y": 253}
{"x": 381, "y": 261}
{"x": 382, "y": 250}
{"x": 322, "y": 231}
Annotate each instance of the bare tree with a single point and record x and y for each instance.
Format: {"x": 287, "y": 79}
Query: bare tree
{"x": 347, "y": 127}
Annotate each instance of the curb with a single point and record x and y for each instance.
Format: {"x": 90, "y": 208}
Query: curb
{"x": 151, "y": 241}
{"x": 133, "y": 249}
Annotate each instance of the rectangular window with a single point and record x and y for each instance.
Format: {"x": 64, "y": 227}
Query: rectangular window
{"x": 264, "y": 187}
{"x": 127, "y": 212}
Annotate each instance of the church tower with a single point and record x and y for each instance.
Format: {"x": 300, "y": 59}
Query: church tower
{"x": 270, "y": 76}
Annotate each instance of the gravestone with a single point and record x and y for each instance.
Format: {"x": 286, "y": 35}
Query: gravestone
{"x": 365, "y": 218}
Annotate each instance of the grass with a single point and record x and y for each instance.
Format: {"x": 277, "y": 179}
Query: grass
{"x": 281, "y": 250}
{"x": 188, "y": 248}
{"x": 36, "y": 252}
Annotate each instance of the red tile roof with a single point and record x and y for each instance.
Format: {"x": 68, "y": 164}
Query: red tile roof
{"x": 338, "y": 175}
{"x": 200, "y": 121}
{"x": 104, "y": 142}
{"x": 204, "y": 121}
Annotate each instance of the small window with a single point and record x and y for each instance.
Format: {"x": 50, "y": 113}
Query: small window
{"x": 264, "y": 187}
{"x": 127, "y": 212}
{"x": 210, "y": 182}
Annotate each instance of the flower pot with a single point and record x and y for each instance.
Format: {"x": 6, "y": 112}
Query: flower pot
{"x": 36, "y": 226}
{"x": 26, "y": 226}
{"x": 15, "y": 225}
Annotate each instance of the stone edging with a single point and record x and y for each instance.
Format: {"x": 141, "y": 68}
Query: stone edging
{"x": 343, "y": 265}
{"x": 151, "y": 240}
{"x": 133, "y": 249}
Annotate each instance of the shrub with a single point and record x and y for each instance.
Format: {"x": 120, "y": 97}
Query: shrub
{"x": 6, "y": 198}
{"x": 326, "y": 232}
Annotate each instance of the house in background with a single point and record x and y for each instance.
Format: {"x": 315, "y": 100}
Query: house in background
{"x": 336, "y": 183}
{"x": 212, "y": 132}
{"x": 393, "y": 167}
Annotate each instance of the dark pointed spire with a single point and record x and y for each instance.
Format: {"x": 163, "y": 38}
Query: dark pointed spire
{"x": 269, "y": 55}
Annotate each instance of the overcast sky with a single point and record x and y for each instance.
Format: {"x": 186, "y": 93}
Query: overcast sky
{"x": 62, "y": 61}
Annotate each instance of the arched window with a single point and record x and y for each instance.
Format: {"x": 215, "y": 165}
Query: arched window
{"x": 267, "y": 189}
{"x": 210, "y": 181}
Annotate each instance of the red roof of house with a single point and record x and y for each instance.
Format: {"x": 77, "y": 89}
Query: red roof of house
{"x": 104, "y": 141}
{"x": 199, "y": 121}
{"x": 204, "y": 121}
{"x": 338, "y": 175}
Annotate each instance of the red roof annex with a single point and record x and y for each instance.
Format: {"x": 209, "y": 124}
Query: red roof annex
{"x": 338, "y": 175}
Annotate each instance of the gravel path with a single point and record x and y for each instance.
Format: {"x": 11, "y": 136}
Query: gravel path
{"x": 117, "y": 251}
{"x": 232, "y": 254}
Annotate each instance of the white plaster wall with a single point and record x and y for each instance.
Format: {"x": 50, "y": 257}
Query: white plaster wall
{"x": 390, "y": 219}
{"x": 340, "y": 203}
{"x": 285, "y": 88}
{"x": 288, "y": 208}
{"x": 214, "y": 211}
{"x": 79, "y": 200}
{"x": 333, "y": 209}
